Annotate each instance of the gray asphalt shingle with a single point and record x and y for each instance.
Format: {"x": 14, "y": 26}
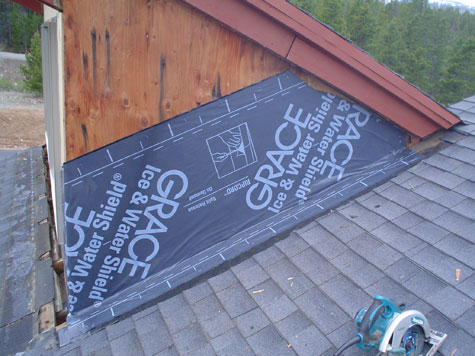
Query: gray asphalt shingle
{"x": 468, "y": 286}
{"x": 442, "y": 265}
{"x": 402, "y": 270}
{"x": 443, "y": 162}
{"x": 315, "y": 266}
{"x": 289, "y": 278}
{"x": 177, "y": 313}
{"x": 279, "y": 309}
{"x": 407, "y": 220}
{"x": 294, "y": 324}
{"x": 401, "y": 196}
{"x": 362, "y": 216}
{"x": 249, "y": 273}
{"x": 127, "y": 344}
{"x": 374, "y": 251}
{"x": 387, "y": 286}
{"x": 324, "y": 242}
{"x": 404, "y": 239}
{"x": 222, "y": 281}
{"x": 450, "y": 302}
{"x": 457, "y": 224}
{"x": 356, "y": 268}
{"x": 251, "y": 322}
{"x": 269, "y": 256}
{"x": 235, "y": 300}
{"x": 449, "y": 199}
{"x": 423, "y": 284}
{"x": 460, "y": 153}
{"x": 324, "y": 312}
{"x": 268, "y": 342}
{"x": 309, "y": 342}
{"x": 266, "y": 293}
{"x": 231, "y": 343}
{"x": 212, "y": 317}
{"x": 118, "y": 329}
{"x": 341, "y": 335}
{"x": 190, "y": 339}
{"x": 198, "y": 292}
{"x": 346, "y": 294}
{"x": 292, "y": 245}
{"x": 428, "y": 232}
{"x": 339, "y": 226}
{"x": 383, "y": 207}
{"x": 396, "y": 237}
{"x": 467, "y": 188}
{"x": 459, "y": 248}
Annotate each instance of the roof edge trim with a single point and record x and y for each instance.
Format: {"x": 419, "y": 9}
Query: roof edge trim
{"x": 282, "y": 28}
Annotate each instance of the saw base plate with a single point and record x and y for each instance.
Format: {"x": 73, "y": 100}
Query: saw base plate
{"x": 431, "y": 346}
{"x": 434, "y": 343}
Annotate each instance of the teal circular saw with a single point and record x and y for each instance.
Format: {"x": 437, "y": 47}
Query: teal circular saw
{"x": 393, "y": 331}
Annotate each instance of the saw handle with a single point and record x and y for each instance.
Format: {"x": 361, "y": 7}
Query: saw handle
{"x": 381, "y": 306}
{"x": 367, "y": 319}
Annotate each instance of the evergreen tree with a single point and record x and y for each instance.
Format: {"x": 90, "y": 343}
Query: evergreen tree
{"x": 361, "y": 23}
{"x": 33, "y": 70}
{"x": 307, "y": 5}
{"x": 416, "y": 68}
{"x": 330, "y": 12}
{"x": 459, "y": 81}
{"x": 391, "y": 50}
{"x": 17, "y": 26}
{"x": 431, "y": 47}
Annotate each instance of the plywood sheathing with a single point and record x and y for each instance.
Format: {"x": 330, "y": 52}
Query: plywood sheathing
{"x": 333, "y": 59}
{"x": 131, "y": 64}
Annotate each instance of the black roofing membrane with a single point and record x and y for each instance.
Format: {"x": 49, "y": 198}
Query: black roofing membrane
{"x": 158, "y": 208}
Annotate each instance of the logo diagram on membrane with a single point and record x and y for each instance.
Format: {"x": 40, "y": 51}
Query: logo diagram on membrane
{"x": 232, "y": 150}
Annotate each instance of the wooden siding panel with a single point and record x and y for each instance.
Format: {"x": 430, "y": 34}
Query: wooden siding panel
{"x": 253, "y": 24}
{"x": 130, "y": 64}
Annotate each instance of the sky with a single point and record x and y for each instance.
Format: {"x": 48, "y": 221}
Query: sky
{"x": 466, "y": 2}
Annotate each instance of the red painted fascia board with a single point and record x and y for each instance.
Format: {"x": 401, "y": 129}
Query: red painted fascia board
{"x": 319, "y": 35}
{"x": 419, "y": 110}
{"x": 33, "y": 5}
{"x": 37, "y": 5}
{"x": 315, "y": 61}
{"x": 238, "y": 16}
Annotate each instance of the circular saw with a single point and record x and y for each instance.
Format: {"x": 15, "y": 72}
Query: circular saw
{"x": 392, "y": 330}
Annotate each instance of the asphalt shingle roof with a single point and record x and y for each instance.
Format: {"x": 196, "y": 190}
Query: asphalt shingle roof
{"x": 404, "y": 239}
{"x": 465, "y": 109}
{"x": 26, "y": 279}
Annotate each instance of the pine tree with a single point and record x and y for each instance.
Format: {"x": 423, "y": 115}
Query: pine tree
{"x": 391, "y": 50}
{"x": 416, "y": 68}
{"x": 330, "y": 12}
{"x": 459, "y": 81}
{"x": 307, "y": 5}
{"x": 22, "y": 23}
{"x": 33, "y": 70}
{"x": 361, "y": 23}
{"x": 421, "y": 43}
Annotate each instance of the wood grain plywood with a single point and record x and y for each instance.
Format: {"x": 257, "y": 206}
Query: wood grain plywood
{"x": 240, "y": 17}
{"x": 130, "y": 64}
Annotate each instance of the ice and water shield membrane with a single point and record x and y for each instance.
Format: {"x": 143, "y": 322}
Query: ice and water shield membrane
{"x": 155, "y": 209}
